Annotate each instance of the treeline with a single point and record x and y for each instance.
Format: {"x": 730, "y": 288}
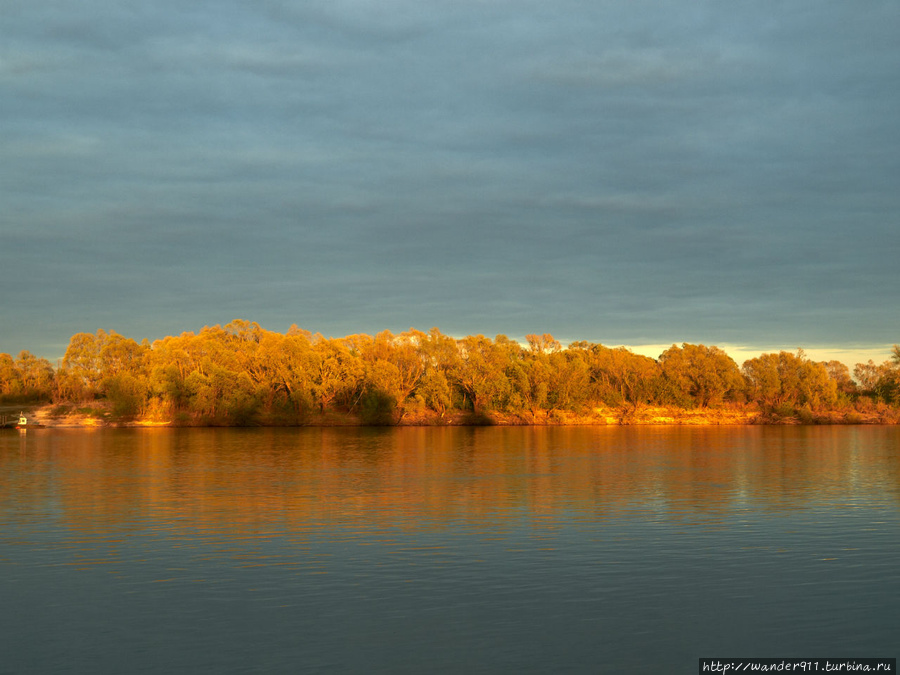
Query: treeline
{"x": 241, "y": 374}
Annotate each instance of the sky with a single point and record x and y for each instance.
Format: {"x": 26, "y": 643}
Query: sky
{"x": 642, "y": 173}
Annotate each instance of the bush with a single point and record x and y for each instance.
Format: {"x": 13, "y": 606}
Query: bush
{"x": 806, "y": 415}
{"x": 378, "y": 408}
{"x": 783, "y": 410}
{"x": 853, "y": 418}
{"x": 126, "y": 395}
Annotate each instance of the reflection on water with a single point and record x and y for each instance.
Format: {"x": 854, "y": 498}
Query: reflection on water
{"x": 420, "y": 478}
{"x": 485, "y": 549}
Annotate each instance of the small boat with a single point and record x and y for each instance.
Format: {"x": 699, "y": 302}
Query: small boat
{"x": 24, "y": 425}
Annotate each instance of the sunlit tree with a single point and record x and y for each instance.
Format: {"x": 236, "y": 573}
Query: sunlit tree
{"x": 789, "y": 379}
{"x": 840, "y": 373}
{"x": 702, "y": 375}
{"x": 10, "y": 378}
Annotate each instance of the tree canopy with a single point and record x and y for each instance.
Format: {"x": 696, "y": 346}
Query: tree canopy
{"x": 240, "y": 373}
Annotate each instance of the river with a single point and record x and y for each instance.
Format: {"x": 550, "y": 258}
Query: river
{"x": 445, "y": 550}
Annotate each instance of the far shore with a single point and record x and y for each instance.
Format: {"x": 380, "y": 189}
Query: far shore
{"x": 68, "y": 417}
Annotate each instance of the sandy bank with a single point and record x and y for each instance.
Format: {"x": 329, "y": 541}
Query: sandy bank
{"x": 98, "y": 416}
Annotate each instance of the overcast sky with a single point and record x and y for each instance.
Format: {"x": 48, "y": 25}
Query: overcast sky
{"x": 632, "y": 172}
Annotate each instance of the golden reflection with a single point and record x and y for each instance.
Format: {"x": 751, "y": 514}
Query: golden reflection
{"x": 256, "y": 484}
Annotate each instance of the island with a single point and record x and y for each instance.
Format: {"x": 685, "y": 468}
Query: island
{"x": 240, "y": 374}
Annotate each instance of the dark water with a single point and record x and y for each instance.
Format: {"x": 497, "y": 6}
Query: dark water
{"x": 594, "y": 550}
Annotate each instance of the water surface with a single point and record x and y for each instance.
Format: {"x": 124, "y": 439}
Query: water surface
{"x": 445, "y": 550}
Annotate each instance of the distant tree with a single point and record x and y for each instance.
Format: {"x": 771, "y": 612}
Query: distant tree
{"x": 81, "y": 370}
{"x": 243, "y": 331}
{"x": 543, "y": 344}
{"x": 283, "y": 371}
{"x": 617, "y": 375}
{"x": 126, "y": 394}
{"x": 394, "y": 366}
{"x": 117, "y": 354}
{"x": 240, "y": 373}
{"x": 10, "y": 377}
{"x": 481, "y": 372}
{"x": 840, "y": 373}
{"x": 785, "y": 378}
{"x": 530, "y": 379}
{"x": 435, "y": 391}
{"x": 440, "y": 358}
{"x": 36, "y": 375}
{"x": 880, "y": 381}
{"x": 337, "y": 375}
{"x": 568, "y": 382}
{"x": 703, "y": 375}
{"x": 893, "y": 383}
{"x": 868, "y": 374}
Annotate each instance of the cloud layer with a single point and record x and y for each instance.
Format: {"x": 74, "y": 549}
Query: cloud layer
{"x": 620, "y": 172}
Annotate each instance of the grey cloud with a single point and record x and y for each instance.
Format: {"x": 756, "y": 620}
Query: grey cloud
{"x": 610, "y": 171}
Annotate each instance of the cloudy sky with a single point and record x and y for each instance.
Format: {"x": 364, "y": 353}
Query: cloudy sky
{"x": 633, "y": 172}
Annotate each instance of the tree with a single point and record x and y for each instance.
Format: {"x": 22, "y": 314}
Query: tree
{"x": 704, "y": 375}
{"x": 440, "y": 358}
{"x": 243, "y": 331}
{"x": 543, "y": 344}
{"x": 126, "y": 394}
{"x": 840, "y": 373}
{"x": 282, "y": 370}
{"x": 117, "y": 355}
{"x": 880, "y": 381}
{"x": 435, "y": 391}
{"x": 336, "y": 374}
{"x": 868, "y": 375}
{"x": 481, "y": 372}
{"x": 81, "y": 367}
{"x": 789, "y": 379}
{"x": 10, "y": 377}
{"x": 567, "y": 385}
{"x": 394, "y": 365}
{"x": 36, "y": 375}
{"x": 618, "y": 376}
{"x": 531, "y": 381}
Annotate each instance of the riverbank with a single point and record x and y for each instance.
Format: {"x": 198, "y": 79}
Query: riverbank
{"x": 99, "y": 415}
